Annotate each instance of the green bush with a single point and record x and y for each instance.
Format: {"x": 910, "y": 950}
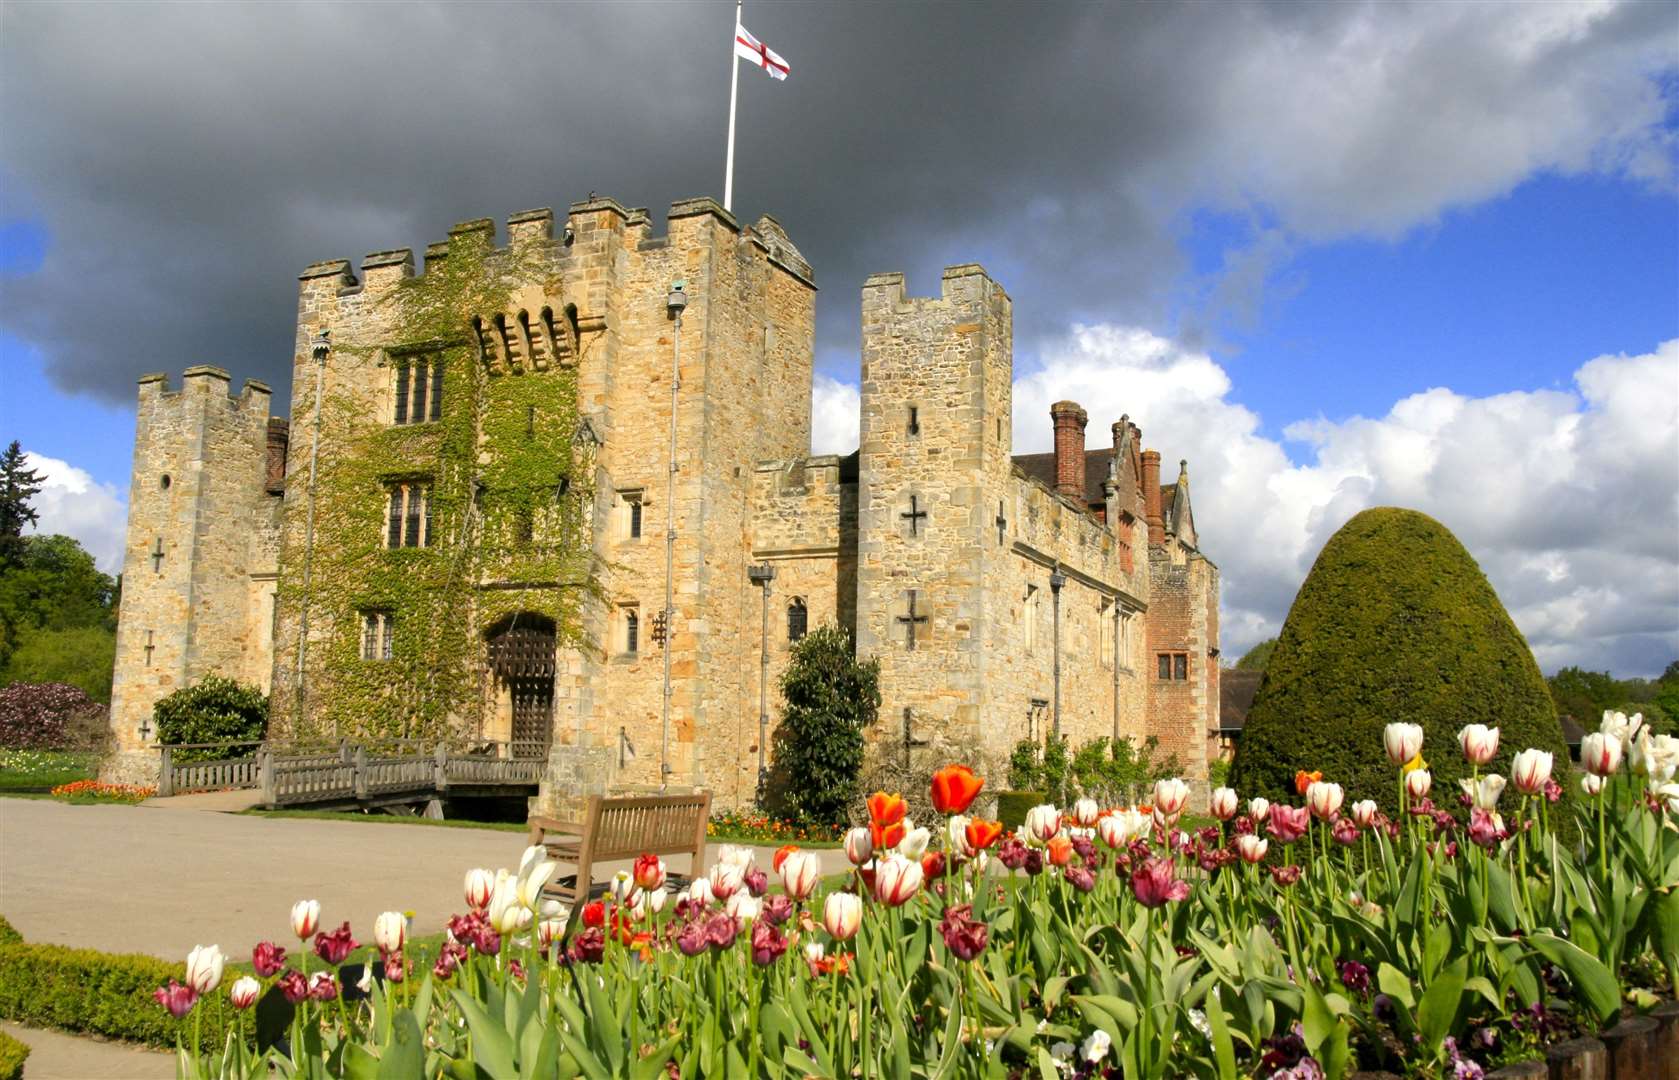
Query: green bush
{"x": 1111, "y": 771}
{"x": 1012, "y": 806}
{"x": 12, "y": 1056}
{"x": 9, "y": 934}
{"x": 1394, "y": 622}
{"x": 84, "y": 990}
{"x": 214, "y": 710}
{"x": 82, "y": 656}
{"x": 829, "y": 698}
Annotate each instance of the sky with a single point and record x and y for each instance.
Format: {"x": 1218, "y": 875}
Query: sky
{"x": 1334, "y": 255}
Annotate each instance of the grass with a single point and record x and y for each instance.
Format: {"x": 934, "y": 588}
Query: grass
{"x": 387, "y": 819}
{"x": 42, "y": 770}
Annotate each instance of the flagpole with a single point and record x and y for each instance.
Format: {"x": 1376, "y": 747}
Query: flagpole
{"x": 734, "y": 91}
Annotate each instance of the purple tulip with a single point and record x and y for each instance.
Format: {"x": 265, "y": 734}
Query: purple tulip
{"x": 1155, "y": 882}
{"x": 268, "y": 959}
{"x": 178, "y": 999}
{"x": 965, "y": 937}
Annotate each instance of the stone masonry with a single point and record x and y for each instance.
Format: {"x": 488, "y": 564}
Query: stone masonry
{"x": 1006, "y": 597}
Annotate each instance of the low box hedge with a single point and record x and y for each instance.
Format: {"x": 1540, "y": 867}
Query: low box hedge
{"x": 84, "y": 990}
{"x": 12, "y": 1056}
{"x": 1012, "y": 806}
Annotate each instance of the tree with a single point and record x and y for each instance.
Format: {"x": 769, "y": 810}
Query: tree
{"x": 1257, "y": 657}
{"x": 81, "y": 656}
{"x": 1583, "y": 694}
{"x": 216, "y": 709}
{"x": 52, "y": 585}
{"x": 1394, "y": 622}
{"x": 18, "y": 484}
{"x": 829, "y": 697}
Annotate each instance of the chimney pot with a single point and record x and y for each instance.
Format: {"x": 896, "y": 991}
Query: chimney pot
{"x": 1151, "y": 497}
{"x": 1069, "y": 420}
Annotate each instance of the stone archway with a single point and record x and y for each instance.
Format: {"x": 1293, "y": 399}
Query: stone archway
{"x": 521, "y": 655}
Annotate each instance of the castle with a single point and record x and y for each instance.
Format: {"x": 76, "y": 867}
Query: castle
{"x": 466, "y": 525}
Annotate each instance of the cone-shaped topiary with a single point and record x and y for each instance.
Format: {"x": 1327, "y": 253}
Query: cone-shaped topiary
{"x": 1395, "y": 622}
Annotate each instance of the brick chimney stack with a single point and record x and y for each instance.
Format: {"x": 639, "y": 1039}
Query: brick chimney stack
{"x": 1069, "y": 449}
{"x": 1151, "y": 497}
{"x": 279, "y": 434}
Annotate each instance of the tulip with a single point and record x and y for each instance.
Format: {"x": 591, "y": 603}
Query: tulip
{"x": 1656, "y": 756}
{"x": 390, "y": 930}
{"x": 737, "y": 855}
{"x": 743, "y": 907}
{"x": 1223, "y": 803}
{"x": 305, "y": 917}
{"x": 1486, "y": 828}
{"x": 649, "y": 872}
{"x": 1591, "y": 783}
{"x": 800, "y": 873}
{"x": 1112, "y": 830}
{"x": 178, "y": 999}
{"x": 480, "y": 883}
{"x": 1402, "y": 741}
{"x": 505, "y": 912}
{"x": 1042, "y": 822}
{"x": 1479, "y": 743}
{"x": 1324, "y": 799}
{"x": 726, "y": 880}
{"x": 1304, "y": 780}
{"x": 244, "y": 992}
{"x": 1288, "y": 823}
{"x": 1417, "y": 783}
{"x": 1345, "y": 831}
{"x": 956, "y": 836}
{"x": 1669, "y": 795}
{"x": 1600, "y": 754}
{"x": 1364, "y": 813}
{"x": 1530, "y": 770}
{"x": 955, "y": 787}
{"x": 842, "y": 914}
{"x": 981, "y": 834}
{"x": 963, "y": 935}
{"x": 1259, "y": 809}
{"x": 621, "y": 885}
{"x": 549, "y": 931}
{"x": 859, "y": 846}
{"x": 268, "y": 959}
{"x": 1622, "y": 728}
{"x": 914, "y": 843}
{"x": 1085, "y": 812}
{"x": 886, "y": 837}
{"x": 1155, "y": 882}
{"x": 323, "y": 986}
{"x": 1060, "y": 850}
{"x": 887, "y": 809}
{"x": 699, "y": 891}
{"x": 1170, "y": 795}
{"x": 896, "y": 880}
{"x": 1483, "y": 793}
{"x": 204, "y": 968}
{"x": 293, "y": 985}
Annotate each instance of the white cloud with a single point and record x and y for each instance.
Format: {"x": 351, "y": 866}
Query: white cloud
{"x": 1568, "y": 499}
{"x": 834, "y": 416}
{"x": 73, "y": 504}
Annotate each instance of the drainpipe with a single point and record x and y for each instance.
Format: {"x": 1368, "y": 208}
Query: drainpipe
{"x": 319, "y": 347}
{"x": 762, "y": 575}
{"x": 1056, "y": 580}
{"x": 675, "y": 302}
{"x": 1119, "y": 626}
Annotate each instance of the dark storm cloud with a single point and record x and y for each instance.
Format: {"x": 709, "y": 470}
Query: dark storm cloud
{"x": 188, "y": 160}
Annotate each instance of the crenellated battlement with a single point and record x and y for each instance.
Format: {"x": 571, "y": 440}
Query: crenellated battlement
{"x": 206, "y": 382}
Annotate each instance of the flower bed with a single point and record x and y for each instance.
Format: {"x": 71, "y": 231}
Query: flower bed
{"x": 99, "y": 791}
{"x": 1292, "y": 941}
{"x": 753, "y": 827}
{"x": 41, "y": 770}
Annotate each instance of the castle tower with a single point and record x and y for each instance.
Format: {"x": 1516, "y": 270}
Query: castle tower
{"x": 934, "y": 468}
{"x": 197, "y": 581}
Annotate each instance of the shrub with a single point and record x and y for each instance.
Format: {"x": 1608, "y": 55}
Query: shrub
{"x": 40, "y": 716}
{"x": 8, "y": 933}
{"x": 12, "y": 1056}
{"x": 1394, "y": 622}
{"x": 98, "y": 993}
{"x": 830, "y": 697}
{"x": 1012, "y": 806}
{"x": 82, "y": 656}
{"x": 214, "y": 710}
{"x": 1113, "y": 772}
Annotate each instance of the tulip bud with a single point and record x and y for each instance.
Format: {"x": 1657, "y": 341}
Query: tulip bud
{"x": 1324, "y": 799}
{"x": 549, "y": 931}
{"x": 956, "y": 833}
{"x": 1364, "y": 813}
{"x": 480, "y": 883}
{"x": 204, "y": 968}
{"x": 1042, "y": 822}
{"x": 842, "y": 914}
{"x": 1223, "y": 803}
{"x": 1170, "y": 795}
{"x": 1479, "y": 743}
{"x": 914, "y": 843}
{"x": 390, "y": 930}
{"x": 1600, "y": 753}
{"x": 699, "y": 891}
{"x": 1251, "y": 847}
{"x": 622, "y": 885}
{"x": 244, "y": 992}
{"x": 1417, "y": 783}
{"x": 305, "y": 918}
{"x": 649, "y": 872}
{"x": 1402, "y": 742}
{"x": 859, "y": 845}
{"x": 1591, "y": 783}
{"x": 1259, "y": 810}
{"x": 800, "y": 873}
{"x": 1530, "y": 771}
{"x": 726, "y": 880}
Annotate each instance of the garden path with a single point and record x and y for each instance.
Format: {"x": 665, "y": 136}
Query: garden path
{"x": 54, "y": 1055}
{"x": 159, "y": 880}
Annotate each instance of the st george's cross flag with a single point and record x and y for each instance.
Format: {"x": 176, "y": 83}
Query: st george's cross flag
{"x": 750, "y": 48}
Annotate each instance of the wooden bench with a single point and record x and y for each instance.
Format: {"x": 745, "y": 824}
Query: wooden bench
{"x": 614, "y": 829}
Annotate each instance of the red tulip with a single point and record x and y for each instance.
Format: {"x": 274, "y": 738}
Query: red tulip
{"x": 335, "y": 947}
{"x": 594, "y": 914}
{"x": 649, "y": 872}
{"x": 886, "y": 837}
{"x": 963, "y": 936}
{"x": 1155, "y": 882}
{"x": 954, "y": 789}
{"x": 780, "y": 856}
{"x": 267, "y": 959}
{"x": 178, "y": 999}
{"x": 887, "y": 809}
{"x": 1287, "y": 823}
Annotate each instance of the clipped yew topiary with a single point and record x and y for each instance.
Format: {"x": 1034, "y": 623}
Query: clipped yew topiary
{"x": 1395, "y": 622}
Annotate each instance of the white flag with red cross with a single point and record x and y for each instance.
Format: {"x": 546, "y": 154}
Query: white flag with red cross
{"x": 750, "y": 48}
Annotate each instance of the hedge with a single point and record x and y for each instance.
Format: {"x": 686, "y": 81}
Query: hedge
{"x": 1394, "y": 622}
{"x": 84, "y": 990}
{"x": 12, "y": 1056}
{"x": 1012, "y": 806}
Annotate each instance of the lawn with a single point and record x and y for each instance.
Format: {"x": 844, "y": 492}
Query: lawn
{"x": 43, "y": 770}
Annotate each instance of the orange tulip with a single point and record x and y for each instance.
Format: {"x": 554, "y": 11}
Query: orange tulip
{"x": 887, "y": 809}
{"x": 954, "y": 788}
{"x": 886, "y": 837}
{"x": 1060, "y": 850}
{"x": 780, "y": 856}
{"x": 1304, "y": 780}
{"x": 982, "y": 834}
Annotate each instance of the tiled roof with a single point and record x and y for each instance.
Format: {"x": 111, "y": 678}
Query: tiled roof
{"x": 1041, "y": 467}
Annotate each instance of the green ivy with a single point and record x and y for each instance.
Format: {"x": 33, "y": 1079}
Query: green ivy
{"x": 505, "y": 450}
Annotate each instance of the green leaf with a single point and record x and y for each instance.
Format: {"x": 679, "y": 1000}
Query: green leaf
{"x": 405, "y": 1055}
{"x": 492, "y": 1047}
{"x": 1595, "y": 983}
{"x": 1224, "y": 1053}
{"x": 1104, "y": 1010}
{"x": 1440, "y": 1002}
{"x": 1396, "y": 985}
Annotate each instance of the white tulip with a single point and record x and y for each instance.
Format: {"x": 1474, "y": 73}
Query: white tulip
{"x": 914, "y": 843}
{"x": 533, "y": 878}
{"x": 1484, "y": 792}
{"x": 842, "y": 914}
{"x": 801, "y": 872}
{"x": 956, "y": 831}
{"x": 1042, "y": 822}
{"x": 859, "y": 845}
{"x": 204, "y": 968}
{"x": 1656, "y": 756}
{"x": 1252, "y": 848}
{"x": 743, "y": 907}
{"x": 1479, "y": 743}
{"x": 1324, "y": 799}
{"x": 737, "y": 855}
{"x": 1591, "y": 784}
{"x": 1621, "y": 727}
{"x": 1364, "y": 813}
{"x": 1418, "y": 782}
{"x": 699, "y": 891}
{"x": 479, "y": 884}
{"x": 505, "y": 912}
{"x": 305, "y": 918}
{"x": 1600, "y": 753}
{"x": 390, "y": 930}
{"x": 1530, "y": 771}
{"x": 726, "y": 880}
{"x": 1259, "y": 809}
{"x": 1402, "y": 741}
{"x": 1223, "y": 803}
{"x": 815, "y": 950}
{"x": 1170, "y": 795}
{"x": 1669, "y": 795}
{"x": 622, "y": 885}
{"x": 1085, "y": 812}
